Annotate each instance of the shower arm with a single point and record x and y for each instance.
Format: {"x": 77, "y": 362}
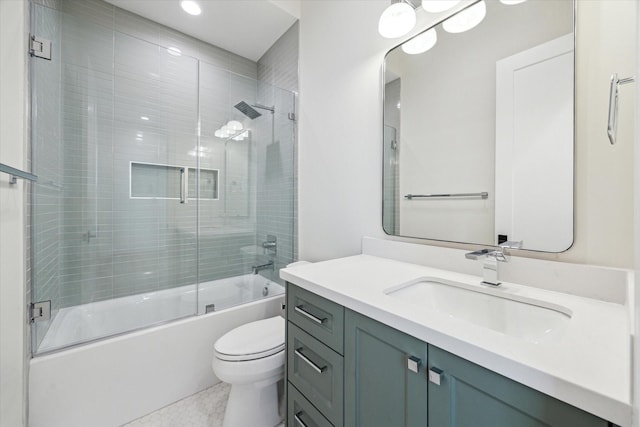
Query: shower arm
{"x": 264, "y": 107}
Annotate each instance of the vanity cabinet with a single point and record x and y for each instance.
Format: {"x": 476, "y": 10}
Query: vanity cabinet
{"x": 315, "y": 363}
{"x": 384, "y": 375}
{"x": 381, "y": 377}
{"x": 470, "y": 395}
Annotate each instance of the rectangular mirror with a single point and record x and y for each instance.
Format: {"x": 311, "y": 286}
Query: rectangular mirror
{"x": 479, "y": 129}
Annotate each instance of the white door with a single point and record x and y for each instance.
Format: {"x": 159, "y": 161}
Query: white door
{"x": 534, "y": 146}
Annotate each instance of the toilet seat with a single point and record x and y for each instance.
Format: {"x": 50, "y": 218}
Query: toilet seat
{"x": 251, "y": 341}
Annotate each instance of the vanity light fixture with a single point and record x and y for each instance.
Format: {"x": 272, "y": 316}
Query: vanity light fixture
{"x": 397, "y": 20}
{"x": 510, "y": 2}
{"x": 437, "y": 6}
{"x": 467, "y": 19}
{"x": 191, "y": 7}
{"x": 421, "y": 43}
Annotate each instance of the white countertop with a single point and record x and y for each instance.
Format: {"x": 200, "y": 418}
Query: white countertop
{"x": 586, "y": 363}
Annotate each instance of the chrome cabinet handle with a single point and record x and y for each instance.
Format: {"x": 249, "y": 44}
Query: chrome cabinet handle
{"x": 318, "y": 320}
{"x": 184, "y": 186}
{"x": 318, "y": 369}
{"x": 297, "y": 418}
{"x": 413, "y": 364}
{"x": 435, "y": 375}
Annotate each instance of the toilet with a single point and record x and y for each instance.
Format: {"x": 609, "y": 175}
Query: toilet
{"x": 251, "y": 359}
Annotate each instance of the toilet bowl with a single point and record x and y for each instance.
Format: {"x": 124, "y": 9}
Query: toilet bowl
{"x": 251, "y": 359}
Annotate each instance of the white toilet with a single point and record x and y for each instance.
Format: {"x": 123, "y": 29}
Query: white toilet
{"x": 251, "y": 359}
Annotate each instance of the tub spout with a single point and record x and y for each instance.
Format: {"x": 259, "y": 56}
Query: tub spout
{"x": 268, "y": 266}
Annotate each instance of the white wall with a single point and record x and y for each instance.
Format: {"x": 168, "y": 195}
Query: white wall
{"x": 13, "y": 48}
{"x": 340, "y": 132}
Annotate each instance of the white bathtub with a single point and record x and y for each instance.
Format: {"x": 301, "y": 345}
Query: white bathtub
{"x": 87, "y": 322}
{"x": 115, "y": 380}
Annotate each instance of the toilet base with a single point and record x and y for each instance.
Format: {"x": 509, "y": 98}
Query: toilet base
{"x": 254, "y": 405}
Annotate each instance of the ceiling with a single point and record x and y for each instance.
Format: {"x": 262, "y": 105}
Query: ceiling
{"x": 245, "y": 27}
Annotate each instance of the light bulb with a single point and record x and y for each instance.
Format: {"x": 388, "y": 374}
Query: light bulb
{"x": 437, "y": 6}
{"x": 218, "y": 134}
{"x": 396, "y": 20}
{"x": 191, "y": 7}
{"x": 421, "y": 43}
{"x": 234, "y": 125}
{"x": 467, "y": 19}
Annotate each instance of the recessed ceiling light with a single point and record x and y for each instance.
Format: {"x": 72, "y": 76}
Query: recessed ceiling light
{"x": 144, "y": 118}
{"x": 191, "y": 7}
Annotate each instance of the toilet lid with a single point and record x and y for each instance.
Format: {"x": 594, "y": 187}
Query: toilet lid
{"x": 253, "y": 340}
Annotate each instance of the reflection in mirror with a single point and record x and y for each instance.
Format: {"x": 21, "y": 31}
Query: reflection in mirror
{"x": 478, "y": 131}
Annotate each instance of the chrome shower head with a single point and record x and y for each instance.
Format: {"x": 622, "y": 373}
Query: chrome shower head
{"x": 247, "y": 110}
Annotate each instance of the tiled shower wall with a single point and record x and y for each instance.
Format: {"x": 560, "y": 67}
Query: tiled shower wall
{"x": 277, "y": 186}
{"x": 125, "y": 99}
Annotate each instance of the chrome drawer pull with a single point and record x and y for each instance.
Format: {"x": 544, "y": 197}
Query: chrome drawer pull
{"x": 299, "y": 309}
{"x": 318, "y": 369}
{"x": 298, "y": 419}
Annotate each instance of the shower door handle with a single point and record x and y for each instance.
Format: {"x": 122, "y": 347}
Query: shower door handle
{"x": 184, "y": 185}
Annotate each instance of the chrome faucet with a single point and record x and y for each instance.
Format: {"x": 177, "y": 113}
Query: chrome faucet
{"x": 490, "y": 259}
{"x": 268, "y": 266}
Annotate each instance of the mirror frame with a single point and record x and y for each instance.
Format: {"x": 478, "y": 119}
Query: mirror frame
{"x": 383, "y": 87}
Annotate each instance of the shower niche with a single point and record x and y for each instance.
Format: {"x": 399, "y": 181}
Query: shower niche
{"x": 152, "y": 181}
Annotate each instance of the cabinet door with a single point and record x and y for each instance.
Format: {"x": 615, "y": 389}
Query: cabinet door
{"x": 472, "y": 396}
{"x": 381, "y": 387}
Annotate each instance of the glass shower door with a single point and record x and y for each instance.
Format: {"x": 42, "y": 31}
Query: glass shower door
{"x": 114, "y": 216}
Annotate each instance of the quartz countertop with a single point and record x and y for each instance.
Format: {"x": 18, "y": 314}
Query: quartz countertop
{"x": 586, "y": 362}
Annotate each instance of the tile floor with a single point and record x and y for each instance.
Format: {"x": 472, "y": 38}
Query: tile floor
{"x": 204, "y": 409}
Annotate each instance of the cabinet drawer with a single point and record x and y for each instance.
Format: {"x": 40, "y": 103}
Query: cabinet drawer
{"x": 317, "y": 372}
{"x": 301, "y": 413}
{"x": 321, "y": 318}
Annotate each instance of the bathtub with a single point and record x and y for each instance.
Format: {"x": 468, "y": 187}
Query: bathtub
{"x": 88, "y": 322}
{"x": 115, "y": 380}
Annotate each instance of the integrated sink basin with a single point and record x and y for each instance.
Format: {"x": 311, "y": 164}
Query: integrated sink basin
{"x": 514, "y": 315}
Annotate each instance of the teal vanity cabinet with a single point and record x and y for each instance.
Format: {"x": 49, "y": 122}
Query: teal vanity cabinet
{"x": 368, "y": 374}
{"x": 463, "y": 394}
{"x": 315, "y": 363}
{"x": 385, "y": 383}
